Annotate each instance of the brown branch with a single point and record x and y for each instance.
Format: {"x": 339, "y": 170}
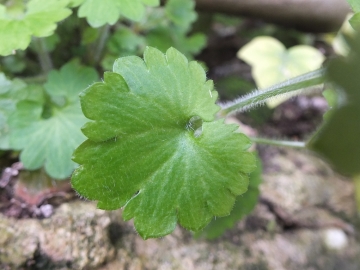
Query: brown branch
{"x": 308, "y": 15}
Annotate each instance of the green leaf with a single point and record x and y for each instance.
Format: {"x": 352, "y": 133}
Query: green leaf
{"x": 163, "y": 38}
{"x": 75, "y": 3}
{"x": 244, "y": 204}
{"x": 355, "y": 21}
{"x": 340, "y": 43}
{"x": 13, "y": 63}
{"x": 89, "y": 35}
{"x": 272, "y": 63}
{"x": 355, "y": 5}
{"x": 100, "y": 12}
{"x": 125, "y": 40}
{"x": 47, "y": 133}
{"x": 331, "y": 97}
{"x": 12, "y": 92}
{"x": 7, "y": 105}
{"x": 338, "y": 139}
{"x": 181, "y": 13}
{"x": 148, "y": 152}
{"x": 37, "y": 18}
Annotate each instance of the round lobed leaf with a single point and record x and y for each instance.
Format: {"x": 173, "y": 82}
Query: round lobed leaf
{"x": 146, "y": 151}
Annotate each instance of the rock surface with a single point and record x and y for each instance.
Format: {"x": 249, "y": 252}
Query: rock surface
{"x": 303, "y": 221}
{"x": 75, "y": 237}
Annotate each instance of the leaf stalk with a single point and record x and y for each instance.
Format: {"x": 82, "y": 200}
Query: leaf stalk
{"x": 259, "y": 97}
{"x": 100, "y": 43}
{"x": 43, "y": 55}
{"x": 292, "y": 144}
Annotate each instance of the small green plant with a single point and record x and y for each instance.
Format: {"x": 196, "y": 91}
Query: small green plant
{"x": 153, "y": 140}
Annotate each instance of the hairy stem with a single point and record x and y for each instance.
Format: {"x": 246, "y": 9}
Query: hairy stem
{"x": 43, "y": 55}
{"x": 259, "y": 97}
{"x": 278, "y": 143}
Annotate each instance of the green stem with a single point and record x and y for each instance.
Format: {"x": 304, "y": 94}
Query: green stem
{"x": 257, "y": 97}
{"x": 278, "y": 143}
{"x": 35, "y": 79}
{"x": 100, "y": 43}
{"x": 356, "y": 179}
{"x": 43, "y": 55}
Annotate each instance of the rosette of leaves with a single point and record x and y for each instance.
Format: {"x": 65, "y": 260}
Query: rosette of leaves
{"x": 154, "y": 147}
{"x": 243, "y": 206}
{"x": 101, "y": 12}
{"x": 20, "y": 20}
{"x": 47, "y": 132}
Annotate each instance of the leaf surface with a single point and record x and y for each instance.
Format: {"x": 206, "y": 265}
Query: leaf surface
{"x": 272, "y": 63}
{"x": 243, "y": 206}
{"x": 47, "y": 135}
{"x": 35, "y": 18}
{"x": 147, "y": 150}
{"x": 100, "y": 12}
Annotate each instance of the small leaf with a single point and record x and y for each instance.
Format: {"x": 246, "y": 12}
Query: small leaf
{"x": 338, "y": 139}
{"x": 145, "y": 153}
{"x": 355, "y": 21}
{"x": 19, "y": 22}
{"x": 100, "y": 12}
{"x": 46, "y": 133}
{"x": 355, "y": 5}
{"x": 244, "y": 204}
{"x": 162, "y": 38}
{"x": 272, "y": 63}
{"x": 181, "y": 13}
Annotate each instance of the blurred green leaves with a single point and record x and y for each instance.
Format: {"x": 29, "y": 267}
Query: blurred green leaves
{"x": 101, "y": 12}
{"x": 338, "y": 139}
{"x": 163, "y": 28}
{"x": 20, "y": 21}
{"x": 48, "y": 130}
